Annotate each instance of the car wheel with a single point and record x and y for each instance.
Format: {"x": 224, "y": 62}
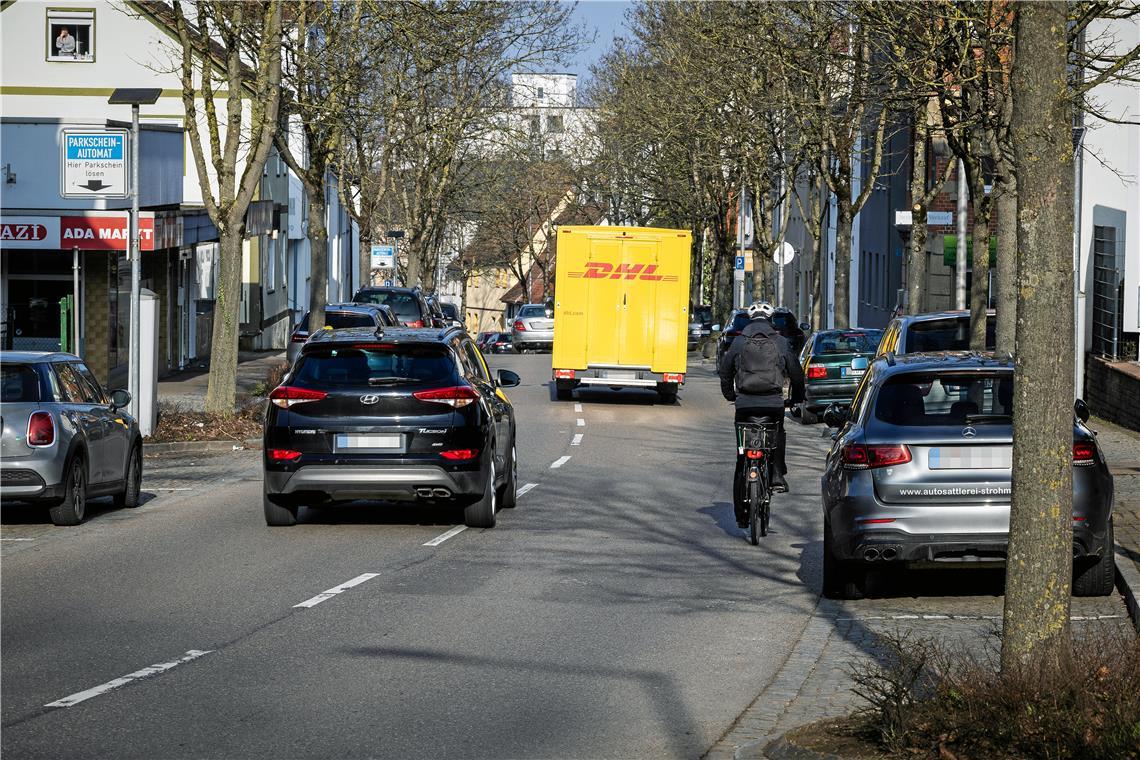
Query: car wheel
{"x": 481, "y": 513}
{"x": 277, "y": 515}
{"x": 129, "y": 498}
{"x": 841, "y": 580}
{"x": 508, "y": 499}
{"x": 806, "y": 417}
{"x": 667, "y": 396}
{"x": 73, "y": 508}
{"x": 563, "y": 392}
{"x": 1098, "y": 577}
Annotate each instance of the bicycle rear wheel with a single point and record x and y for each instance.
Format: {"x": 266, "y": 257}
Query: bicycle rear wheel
{"x": 756, "y": 519}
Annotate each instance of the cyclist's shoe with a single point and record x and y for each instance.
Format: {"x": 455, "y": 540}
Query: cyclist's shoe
{"x": 779, "y": 485}
{"x": 741, "y": 521}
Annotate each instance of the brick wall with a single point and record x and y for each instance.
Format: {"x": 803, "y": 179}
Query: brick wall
{"x": 1112, "y": 390}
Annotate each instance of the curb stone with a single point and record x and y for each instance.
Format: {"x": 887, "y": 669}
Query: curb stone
{"x": 782, "y": 749}
{"x": 1128, "y": 582}
{"x": 200, "y": 447}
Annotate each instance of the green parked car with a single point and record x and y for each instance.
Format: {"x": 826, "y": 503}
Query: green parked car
{"x": 834, "y": 363}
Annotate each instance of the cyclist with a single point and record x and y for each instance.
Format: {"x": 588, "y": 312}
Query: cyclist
{"x": 752, "y": 375}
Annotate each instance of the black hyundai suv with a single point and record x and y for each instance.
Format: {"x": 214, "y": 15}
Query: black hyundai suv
{"x": 410, "y": 305}
{"x": 395, "y": 414}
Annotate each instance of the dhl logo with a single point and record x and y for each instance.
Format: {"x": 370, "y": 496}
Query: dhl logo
{"x": 599, "y": 270}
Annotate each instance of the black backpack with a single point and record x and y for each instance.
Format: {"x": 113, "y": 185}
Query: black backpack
{"x": 760, "y": 368}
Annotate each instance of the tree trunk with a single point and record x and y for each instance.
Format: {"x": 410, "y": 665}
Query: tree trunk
{"x": 1040, "y": 559}
{"x": 1005, "y": 285}
{"x": 916, "y": 258}
{"x": 843, "y": 261}
{"x": 319, "y": 258}
{"x": 364, "y": 259}
{"x": 221, "y": 388}
{"x": 980, "y": 285}
{"x": 696, "y": 267}
{"x": 415, "y": 261}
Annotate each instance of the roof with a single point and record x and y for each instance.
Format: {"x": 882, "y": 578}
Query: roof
{"x": 386, "y": 289}
{"x": 951, "y": 361}
{"x": 388, "y": 335}
{"x": 956, "y": 314}
{"x": 36, "y": 356}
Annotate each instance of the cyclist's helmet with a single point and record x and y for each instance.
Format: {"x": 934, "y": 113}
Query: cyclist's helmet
{"x": 761, "y": 309}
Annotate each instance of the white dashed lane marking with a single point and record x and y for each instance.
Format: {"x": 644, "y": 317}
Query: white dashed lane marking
{"x": 326, "y": 595}
{"x": 578, "y": 408}
{"x": 581, "y": 422}
{"x": 444, "y": 536}
{"x": 526, "y": 488}
{"x": 559, "y": 462}
{"x": 17, "y": 539}
{"x": 161, "y": 667}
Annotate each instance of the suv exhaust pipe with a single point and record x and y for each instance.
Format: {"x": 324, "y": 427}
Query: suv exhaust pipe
{"x": 889, "y": 553}
{"x": 870, "y": 555}
{"x": 441, "y": 493}
{"x": 423, "y": 493}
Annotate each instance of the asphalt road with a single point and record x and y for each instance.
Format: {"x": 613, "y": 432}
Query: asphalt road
{"x": 617, "y": 612}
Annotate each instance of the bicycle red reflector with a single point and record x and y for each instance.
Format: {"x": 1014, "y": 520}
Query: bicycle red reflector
{"x": 283, "y": 455}
{"x": 563, "y": 374}
{"x": 674, "y": 377}
{"x": 459, "y": 455}
{"x": 1084, "y": 453}
{"x": 41, "y": 429}
{"x": 815, "y": 373}
{"x": 286, "y": 396}
{"x": 754, "y": 454}
{"x": 859, "y": 456}
{"x": 456, "y": 396}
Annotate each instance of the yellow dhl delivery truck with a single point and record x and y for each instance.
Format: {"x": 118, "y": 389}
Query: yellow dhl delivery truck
{"x": 621, "y": 309}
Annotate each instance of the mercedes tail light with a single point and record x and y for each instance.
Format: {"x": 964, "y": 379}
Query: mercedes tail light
{"x": 41, "y": 429}
{"x": 283, "y": 455}
{"x": 459, "y": 455}
{"x": 859, "y": 456}
{"x": 816, "y": 372}
{"x": 1084, "y": 453}
{"x": 520, "y": 326}
{"x": 286, "y": 396}
{"x": 456, "y": 396}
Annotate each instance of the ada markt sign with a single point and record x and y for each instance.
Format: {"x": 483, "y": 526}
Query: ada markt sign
{"x": 383, "y": 257}
{"x": 93, "y": 163}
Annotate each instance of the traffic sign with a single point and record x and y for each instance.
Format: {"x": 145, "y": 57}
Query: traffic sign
{"x": 383, "y": 257}
{"x": 94, "y": 163}
{"x": 740, "y": 263}
{"x": 784, "y": 254}
{"x": 387, "y": 283}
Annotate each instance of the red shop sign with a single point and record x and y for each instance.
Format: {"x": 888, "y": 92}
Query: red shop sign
{"x": 103, "y": 233}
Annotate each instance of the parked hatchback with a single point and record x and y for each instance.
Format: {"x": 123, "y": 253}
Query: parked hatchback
{"x": 937, "y": 331}
{"x": 533, "y": 328}
{"x": 920, "y": 475}
{"x": 64, "y": 439}
{"x": 834, "y": 363}
{"x": 339, "y": 316}
{"x": 409, "y": 304}
{"x": 394, "y": 415}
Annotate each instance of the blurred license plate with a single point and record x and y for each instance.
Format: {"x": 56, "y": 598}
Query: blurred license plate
{"x": 971, "y": 458}
{"x": 848, "y": 372}
{"x": 348, "y": 442}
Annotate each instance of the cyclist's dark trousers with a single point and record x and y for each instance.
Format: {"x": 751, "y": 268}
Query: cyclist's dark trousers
{"x": 757, "y": 415}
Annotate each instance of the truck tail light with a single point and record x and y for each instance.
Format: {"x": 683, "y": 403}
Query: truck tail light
{"x": 1084, "y": 454}
{"x": 674, "y": 377}
{"x": 858, "y": 456}
{"x": 460, "y": 455}
{"x": 563, "y": 374}
{"x": 286, "y": 396}
{"x": 816, "y": 373}
{"x": 283, "y": 455}
{"x": 519, "y": 326}
{"x": 41, "y": 429}
{"x": 456, "y": 396}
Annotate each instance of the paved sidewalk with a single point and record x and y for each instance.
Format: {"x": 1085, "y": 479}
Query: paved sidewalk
{"x": 1121, "y": 448}
{"x": 188, "y": 387}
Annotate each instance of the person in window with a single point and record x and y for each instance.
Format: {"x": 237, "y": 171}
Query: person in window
{"x": 65, "y": 43}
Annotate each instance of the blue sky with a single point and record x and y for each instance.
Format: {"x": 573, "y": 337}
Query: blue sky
{"x": 604, "y": 16}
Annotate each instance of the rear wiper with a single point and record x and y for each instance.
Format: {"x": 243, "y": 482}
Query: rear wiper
{"x": 989, "y": 418}
{"x": 392, "y": 380}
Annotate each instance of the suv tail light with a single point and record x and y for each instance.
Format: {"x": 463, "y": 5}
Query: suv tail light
{"x": 41, "y": 429}
{"x": 816, "y": 373}
{"x": 520, "y": 326}
{"x": 1084, "y": 454}
{"x": 299, "y": 337}
{"x": 858, "y": 456}
{"x": 456, "y": 396}
{"x": 286, "y": 396}
{"x": 459, "y": 455}
{"x": 283, "y": 455}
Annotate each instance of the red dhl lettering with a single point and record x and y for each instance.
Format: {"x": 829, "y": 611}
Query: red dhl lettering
{"x": 600, "y": 270}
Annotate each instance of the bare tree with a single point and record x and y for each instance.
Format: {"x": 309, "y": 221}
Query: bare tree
{"x": 237, "y": 45}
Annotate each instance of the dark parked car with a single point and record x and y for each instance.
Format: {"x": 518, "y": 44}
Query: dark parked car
{"x": 451, "y": 313}
{"x": 397, "y": 415}
{"x": 920, "y": 475}
{"x": 409, "y": 305}
{"x": 481, "y": 340}
{"x": 339, "y": 316}
{"x": 834, "y": 363}
{"x": 500, "y": 343}
{"x": 64, "y": 438}
{"x": 783, "y": 320}
{"x": 937, "y": 331}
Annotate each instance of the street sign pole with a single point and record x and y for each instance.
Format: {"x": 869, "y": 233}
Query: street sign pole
{"x": 75, "y": 300}
{"x": 136, "y": 319}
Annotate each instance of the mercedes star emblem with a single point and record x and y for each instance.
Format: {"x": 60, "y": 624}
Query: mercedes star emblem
{"x": 969, "y": 432}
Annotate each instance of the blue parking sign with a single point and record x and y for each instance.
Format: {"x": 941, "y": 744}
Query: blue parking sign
{"x": 387, "y": 283}
{"x": 740, "y": 262}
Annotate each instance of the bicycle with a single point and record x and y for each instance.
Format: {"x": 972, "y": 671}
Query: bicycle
{"x": 756, "y": 441}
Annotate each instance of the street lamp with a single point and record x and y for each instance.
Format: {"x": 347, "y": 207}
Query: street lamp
{"x": 134, "y": 97}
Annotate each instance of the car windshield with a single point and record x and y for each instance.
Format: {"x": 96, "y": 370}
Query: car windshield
{"x": 702, "y": 314}
{"x": 18, "y": 382}
{"x": 740, "y": 321}
{"x": 923, "y": 399}
{"x": 532, "y": 310}
{"x": 947, "y": 334}
{"x": 338, "y": 320}
{"x": 405, "y": 305}
{"x": 450, "y": 310}
{"x": 864, "y": 342}
{"x": 782, "y": 320}
{"x": 356, "y": 366}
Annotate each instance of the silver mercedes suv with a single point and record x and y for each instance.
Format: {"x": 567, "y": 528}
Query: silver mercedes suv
{"x": 920, "y": 475}
{"x": 64, "y": 439}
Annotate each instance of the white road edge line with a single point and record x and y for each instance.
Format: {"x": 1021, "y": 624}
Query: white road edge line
{"x": 578, "y": 408}
{"x": 161, "y": 667}
{"x": 325, "y": 595}
{"x": 444, "y": 536}
{"x": 17, "y": 539}
{"x": 559, "y": 462}
{"x": 156, "y": 488}
{"x": 577, "y": 440}
{"x": 525, "y": 488}
{"x": 581, "y": 422}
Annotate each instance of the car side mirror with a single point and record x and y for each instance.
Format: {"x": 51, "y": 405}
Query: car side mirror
{"x": 860, "y": 364}
{"x": 805, "y": 326}
{"x": 716, "y": 328}
{"x": 836, "y": 416}
{"x": 508, "y": 379}
{"x": 1081, "y": 409}
{"x": 120, "y": 399}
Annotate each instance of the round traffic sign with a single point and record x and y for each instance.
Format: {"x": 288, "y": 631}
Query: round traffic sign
{"x": 784, "y": 254}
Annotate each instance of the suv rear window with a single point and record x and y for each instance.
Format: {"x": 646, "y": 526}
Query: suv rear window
{"x": 338, "y": 320}
{"x": 918, "y": 399}
{"x": 949, "y": 334}
{"x": 19, "y": 382}
{"x": 847, "y": 343}
{"x": 405, "y": 305}
{"x": 376, "y": 366}
{"x": 782, "y": 320}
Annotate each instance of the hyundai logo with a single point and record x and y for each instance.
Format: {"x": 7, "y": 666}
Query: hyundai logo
{"x": 370, "y": 398}
{"x": 969, "y": 432}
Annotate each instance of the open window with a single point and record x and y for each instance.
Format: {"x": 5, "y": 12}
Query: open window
{"x": 71, "y": 34}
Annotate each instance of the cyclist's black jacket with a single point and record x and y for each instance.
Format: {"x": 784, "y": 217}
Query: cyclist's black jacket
{"x": 790, "y": 368}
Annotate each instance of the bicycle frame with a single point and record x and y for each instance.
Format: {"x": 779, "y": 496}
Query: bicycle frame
{"x": 756, "y": 442}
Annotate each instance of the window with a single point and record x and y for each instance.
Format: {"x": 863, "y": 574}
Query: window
{"x": 476, "y": 362}
{"x": 76, "y": 389}
{"x": 535, "y": 125}
{"x": 71, "y": 34}
{"x": 541, "y": 93}
{"x": 554, "y": 123}
{"x": 19, "y": 383}
{"x": 920, "y": 400}
{"x": 375, "y": 366}
{"x": 101, "y": 397}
